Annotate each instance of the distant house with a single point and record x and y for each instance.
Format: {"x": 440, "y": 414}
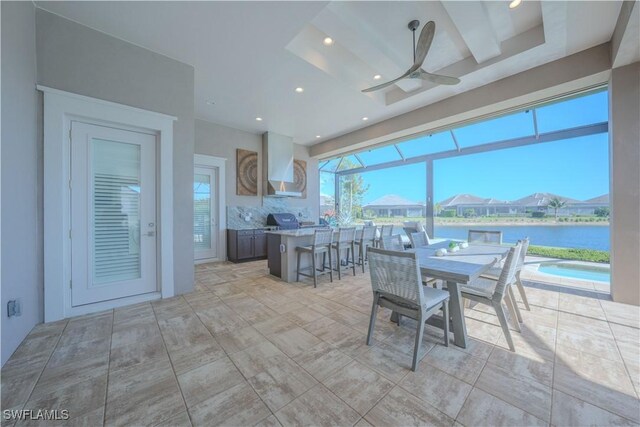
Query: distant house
{"x": 392, "y": 205}
{"x": 461, "y": 203}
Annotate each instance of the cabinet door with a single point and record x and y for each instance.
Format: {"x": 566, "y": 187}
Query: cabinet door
{"x": 245, "y": 247}
{"x": 260, "y": 245}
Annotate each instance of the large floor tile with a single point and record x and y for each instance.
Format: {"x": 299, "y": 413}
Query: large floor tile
{"x": 403, "y": 409}
{"x": 317, "y": 407}
{"x": 294, "y": 341}
{"x": 208, "y": 380}
{"x": 145, "y": 393}
{"x": 280, "y": 383}
{"x": 570, "y": 411}
{"x": 360, "y": 387}
{"x": 437, "y": 388}
{"x": 322, "y": 360}
{"x": 455, "y": 362}
{"x": 238, "y": 406}
{"x": 521, "y": 391}
{"x": 239, "y": 339}
{"x": 481, "y": 407}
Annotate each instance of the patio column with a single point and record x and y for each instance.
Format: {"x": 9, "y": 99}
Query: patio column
{"x": 624, "y": 148}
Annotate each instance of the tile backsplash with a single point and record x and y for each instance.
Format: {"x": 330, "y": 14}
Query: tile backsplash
{"x": 258, "y": 215}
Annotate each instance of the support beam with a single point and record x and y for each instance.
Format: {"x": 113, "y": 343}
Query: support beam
{"x": 624, "y": 149}
{"x": 500, "y": 145}
{"x": 625, "y": 42}
{"x": 472, "y": 22}
{"x": 572, "y": 74}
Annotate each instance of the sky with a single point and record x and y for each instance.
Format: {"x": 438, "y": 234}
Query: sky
{"x": 577, "y": 168}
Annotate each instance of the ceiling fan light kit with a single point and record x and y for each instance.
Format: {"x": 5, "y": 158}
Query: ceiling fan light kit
{"x": 419, "y": 55}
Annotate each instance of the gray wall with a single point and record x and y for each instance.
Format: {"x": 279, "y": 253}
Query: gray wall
{"x": 21, "y": 217}
{"x": 222, "y": 141}
{"x": 624, "y": 138}
{"x": 77, "y": 59}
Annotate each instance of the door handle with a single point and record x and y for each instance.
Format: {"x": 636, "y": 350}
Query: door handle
{"x": 151, "y": 233}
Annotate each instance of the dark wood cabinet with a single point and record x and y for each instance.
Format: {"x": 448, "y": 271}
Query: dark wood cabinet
{"x": 246, "y": 245}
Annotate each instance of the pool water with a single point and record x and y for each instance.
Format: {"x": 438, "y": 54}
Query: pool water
{"x": 576, "y": 271}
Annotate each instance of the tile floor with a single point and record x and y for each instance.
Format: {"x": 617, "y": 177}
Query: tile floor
{"x": 246, "y": 349}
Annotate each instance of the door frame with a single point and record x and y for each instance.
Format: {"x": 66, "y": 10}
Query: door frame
{"x": 60, "y": 108}
{"x": 219, "y": 165}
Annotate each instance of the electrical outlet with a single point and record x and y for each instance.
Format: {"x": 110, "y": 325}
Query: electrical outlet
{"x": 14, "y": 308}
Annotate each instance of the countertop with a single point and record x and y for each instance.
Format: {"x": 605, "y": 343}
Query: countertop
{"x": 266, "y": 228}
{"x": 300, "y": 232}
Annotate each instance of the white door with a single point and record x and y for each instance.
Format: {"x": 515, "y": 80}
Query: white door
{"x": 113, "y": 213}
{"x": 205, "y": 211}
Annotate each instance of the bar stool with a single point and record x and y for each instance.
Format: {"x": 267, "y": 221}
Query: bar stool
{"x": 346, "y": 241}
{"x": 322, "y": 239}
{"x": 366, "y": 240}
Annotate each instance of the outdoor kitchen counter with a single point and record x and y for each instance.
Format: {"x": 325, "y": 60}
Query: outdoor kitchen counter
{"x": 281, "y": 251}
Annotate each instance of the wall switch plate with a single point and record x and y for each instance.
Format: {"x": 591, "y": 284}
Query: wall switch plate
{"x": 14, "y": 308}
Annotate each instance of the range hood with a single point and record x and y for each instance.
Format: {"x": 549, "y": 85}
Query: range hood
{"x": 277, "y": 166}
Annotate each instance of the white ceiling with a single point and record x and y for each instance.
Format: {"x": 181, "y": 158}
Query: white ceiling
{"x": 250, "y": 56}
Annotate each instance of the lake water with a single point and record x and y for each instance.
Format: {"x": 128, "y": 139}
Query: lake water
{"x": 562, "y": 236}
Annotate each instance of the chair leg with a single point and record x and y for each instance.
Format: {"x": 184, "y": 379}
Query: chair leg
{"x": 315, "y": 271}
{"x": 338, "y": 262}
{"x": 445, "y": 318}
{"x": 503, "y": 323}
{"x": 512, "y": 294}
{"x": 353, "y": 258}
{"x": 324, "y": 260}
{"x": 372, "y": 320}
{"x": 363, "y": 254}
{"x": 298, "y": 269}
{"x": 523, "y": 295}
{"x": 512, "y": 311}
{"x": 330, "y": 266}
{"x": 416, "y": 347}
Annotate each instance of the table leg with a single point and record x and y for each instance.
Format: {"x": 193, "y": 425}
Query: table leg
{"x": 456, "y": 311}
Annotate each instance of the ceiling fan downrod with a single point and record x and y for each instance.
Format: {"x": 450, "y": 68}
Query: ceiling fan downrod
{"x": 413, "y": 26}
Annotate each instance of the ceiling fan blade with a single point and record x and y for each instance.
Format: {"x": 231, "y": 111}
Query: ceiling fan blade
{"x": 424, "y": 43}
{"x": 439, "y": 79}
{"x": 390, "y": 82}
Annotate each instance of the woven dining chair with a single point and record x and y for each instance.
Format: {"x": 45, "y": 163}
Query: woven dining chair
{"x": 366, "y": 241}
{"x": 494, "y": 293}
{"x": 392, "y": 243}
{"x": 419, "y": 239}
{"x": 385, "y": 230}
{"x": 396, "y": 285}
{"x": 494, "y": 274}
{"x": 485, "y": 236}
{"x": 345, "y": 242}
{"x": 322, "y": 239}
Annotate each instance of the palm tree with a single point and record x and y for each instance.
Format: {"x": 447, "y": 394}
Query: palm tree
{"x": 555, "y": 204}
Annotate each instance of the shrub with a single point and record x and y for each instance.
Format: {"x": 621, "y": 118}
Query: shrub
{"x": 538, "y": 214}
{"x": 449, "y": 213}
{"x": 590, "y": 255}
{"x": 602, "y": 212}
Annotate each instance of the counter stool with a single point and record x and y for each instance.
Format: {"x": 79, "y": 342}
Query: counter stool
{"x": 322, "y": 239}
{"x": 366, "y": 240}
{"x": 346, "y": 241}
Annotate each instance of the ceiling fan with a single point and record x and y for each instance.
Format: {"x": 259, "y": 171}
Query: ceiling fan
{"x": 419, "y": 55}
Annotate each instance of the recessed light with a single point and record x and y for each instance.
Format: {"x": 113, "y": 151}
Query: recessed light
{"x": 299, "y": 89}
{"x": 377, "y": 77}
{"x": 317, "y": 136}
{"x": 210, "y": 102}
{"x": 364, "y": 119}
{"x": 328, "y": 41}
{"x": 514, "y": 4}
{"x": 258, "y": 119}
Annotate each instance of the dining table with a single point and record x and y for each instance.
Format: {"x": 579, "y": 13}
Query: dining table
{"x": 456, "y": 269}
